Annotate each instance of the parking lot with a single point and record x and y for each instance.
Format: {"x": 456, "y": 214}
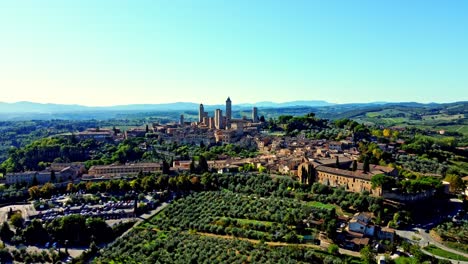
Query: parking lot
{"x": 107, "y": 211}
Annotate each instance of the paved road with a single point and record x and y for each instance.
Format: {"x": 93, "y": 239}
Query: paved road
{"x": 427, "y": 238}
{"x": 423, "y": 239}
{"x": 451, "y": 260}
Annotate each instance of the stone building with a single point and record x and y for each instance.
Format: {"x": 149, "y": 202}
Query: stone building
{"x": 326, "y": 172}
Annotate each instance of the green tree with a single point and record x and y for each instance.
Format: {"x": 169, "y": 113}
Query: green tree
{"x": 35, "y": 233}
{"x": 53, "y": 178}
{"x": 17, "y": 220}
{"x": 165, "y": 167}
{"x": 333, "y": 249}
{"x": 5, "y": 232}
{"x": 383, "y": 181}
{"x": 34, "y": 192}
{"x": 202, "y": 164}
{"x": 456, "y": 183}
{"x": 366, "y": 166}
{"x": 70, "y": 187}
{"x": 367, "y": 256}
{"x": 47, "y": 189}
{"x": 192, "y": 166}
{"x": 99, "y": 229}
{"x": 261, "y": 169}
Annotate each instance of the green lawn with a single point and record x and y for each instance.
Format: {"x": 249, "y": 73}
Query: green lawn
{"x": 373, "y": 114}
{"x": 442, "y": 253}
{"x": 456, "y": 128}
{"x": 277, "y": 133}
{"x": 443, "y": 117}
{"x": 250, "y": 221}
{"x": 405, "y": 260}
{"x": 457, "y": 246}
{"x": 321, "y": 205}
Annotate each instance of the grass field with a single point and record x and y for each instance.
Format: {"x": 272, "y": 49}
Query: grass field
{"x": 456, "y": 246}
{"x": 443, "y": 117}
{"x": 251, "y": 221}
{"x": 445, "y": 254}
{"x": 321, "y": 205}
{"x": 453, "y": 123}
{"x": 405, "y": 260}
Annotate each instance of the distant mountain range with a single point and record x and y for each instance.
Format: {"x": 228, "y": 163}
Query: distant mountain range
{"x": 30, "y": 107}
{"x": 171, "y": 111}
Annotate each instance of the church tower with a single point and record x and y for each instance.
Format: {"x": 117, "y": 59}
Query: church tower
{"x": 228, "y": 112}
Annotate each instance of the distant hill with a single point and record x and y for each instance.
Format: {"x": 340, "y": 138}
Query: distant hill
{"x": 391, "y": 113}
{"x": 268, "y": 104}
{"x": 30, "y": 107}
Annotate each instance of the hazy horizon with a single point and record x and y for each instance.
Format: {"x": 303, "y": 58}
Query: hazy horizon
{"x": 234, "y": 103}
{"x": 100, "y": 53}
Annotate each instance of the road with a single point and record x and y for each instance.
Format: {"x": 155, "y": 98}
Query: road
{"x": 451, "y": 260}
{"x": 423, "y": 239}
{"x": 427, "y": 238}
{"x": 323, "y": 245}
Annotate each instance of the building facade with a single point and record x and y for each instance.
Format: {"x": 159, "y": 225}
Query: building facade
{"x": 124, "y": 170}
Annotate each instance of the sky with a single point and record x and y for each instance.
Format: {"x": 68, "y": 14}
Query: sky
{"x": 114, "y": 52}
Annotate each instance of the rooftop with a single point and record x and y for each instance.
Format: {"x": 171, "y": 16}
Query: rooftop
{"x": 345, "y": 173}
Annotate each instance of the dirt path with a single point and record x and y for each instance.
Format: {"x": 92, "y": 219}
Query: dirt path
{"x": 323, "y": 246}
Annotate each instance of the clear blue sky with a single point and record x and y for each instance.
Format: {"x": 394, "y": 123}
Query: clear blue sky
{"x": 108, "y": 52}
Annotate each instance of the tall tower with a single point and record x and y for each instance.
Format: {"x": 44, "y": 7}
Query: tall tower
{"x": 181, "y": 120}
{"x": 218, "y": 119}
{"x": 228, "y": 112}
{"x": 201, "y": 113}
{"x": 255, "y": 115}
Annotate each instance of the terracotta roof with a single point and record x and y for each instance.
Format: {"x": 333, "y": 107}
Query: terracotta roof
{"x": 345, "y": 173}
{"x": 387, "y": 229}
{"x": 138, "y": 165}
{"x": 360, "y": 241}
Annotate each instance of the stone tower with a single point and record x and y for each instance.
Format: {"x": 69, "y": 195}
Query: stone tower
{"x": 254, "y": 115}
{"x": 218, "y": 119}
{"x": 201, "y": 113}
{"x": 228, "y": 112}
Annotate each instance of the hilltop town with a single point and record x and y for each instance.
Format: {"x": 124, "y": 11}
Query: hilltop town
{"x": 349, "y": 189}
